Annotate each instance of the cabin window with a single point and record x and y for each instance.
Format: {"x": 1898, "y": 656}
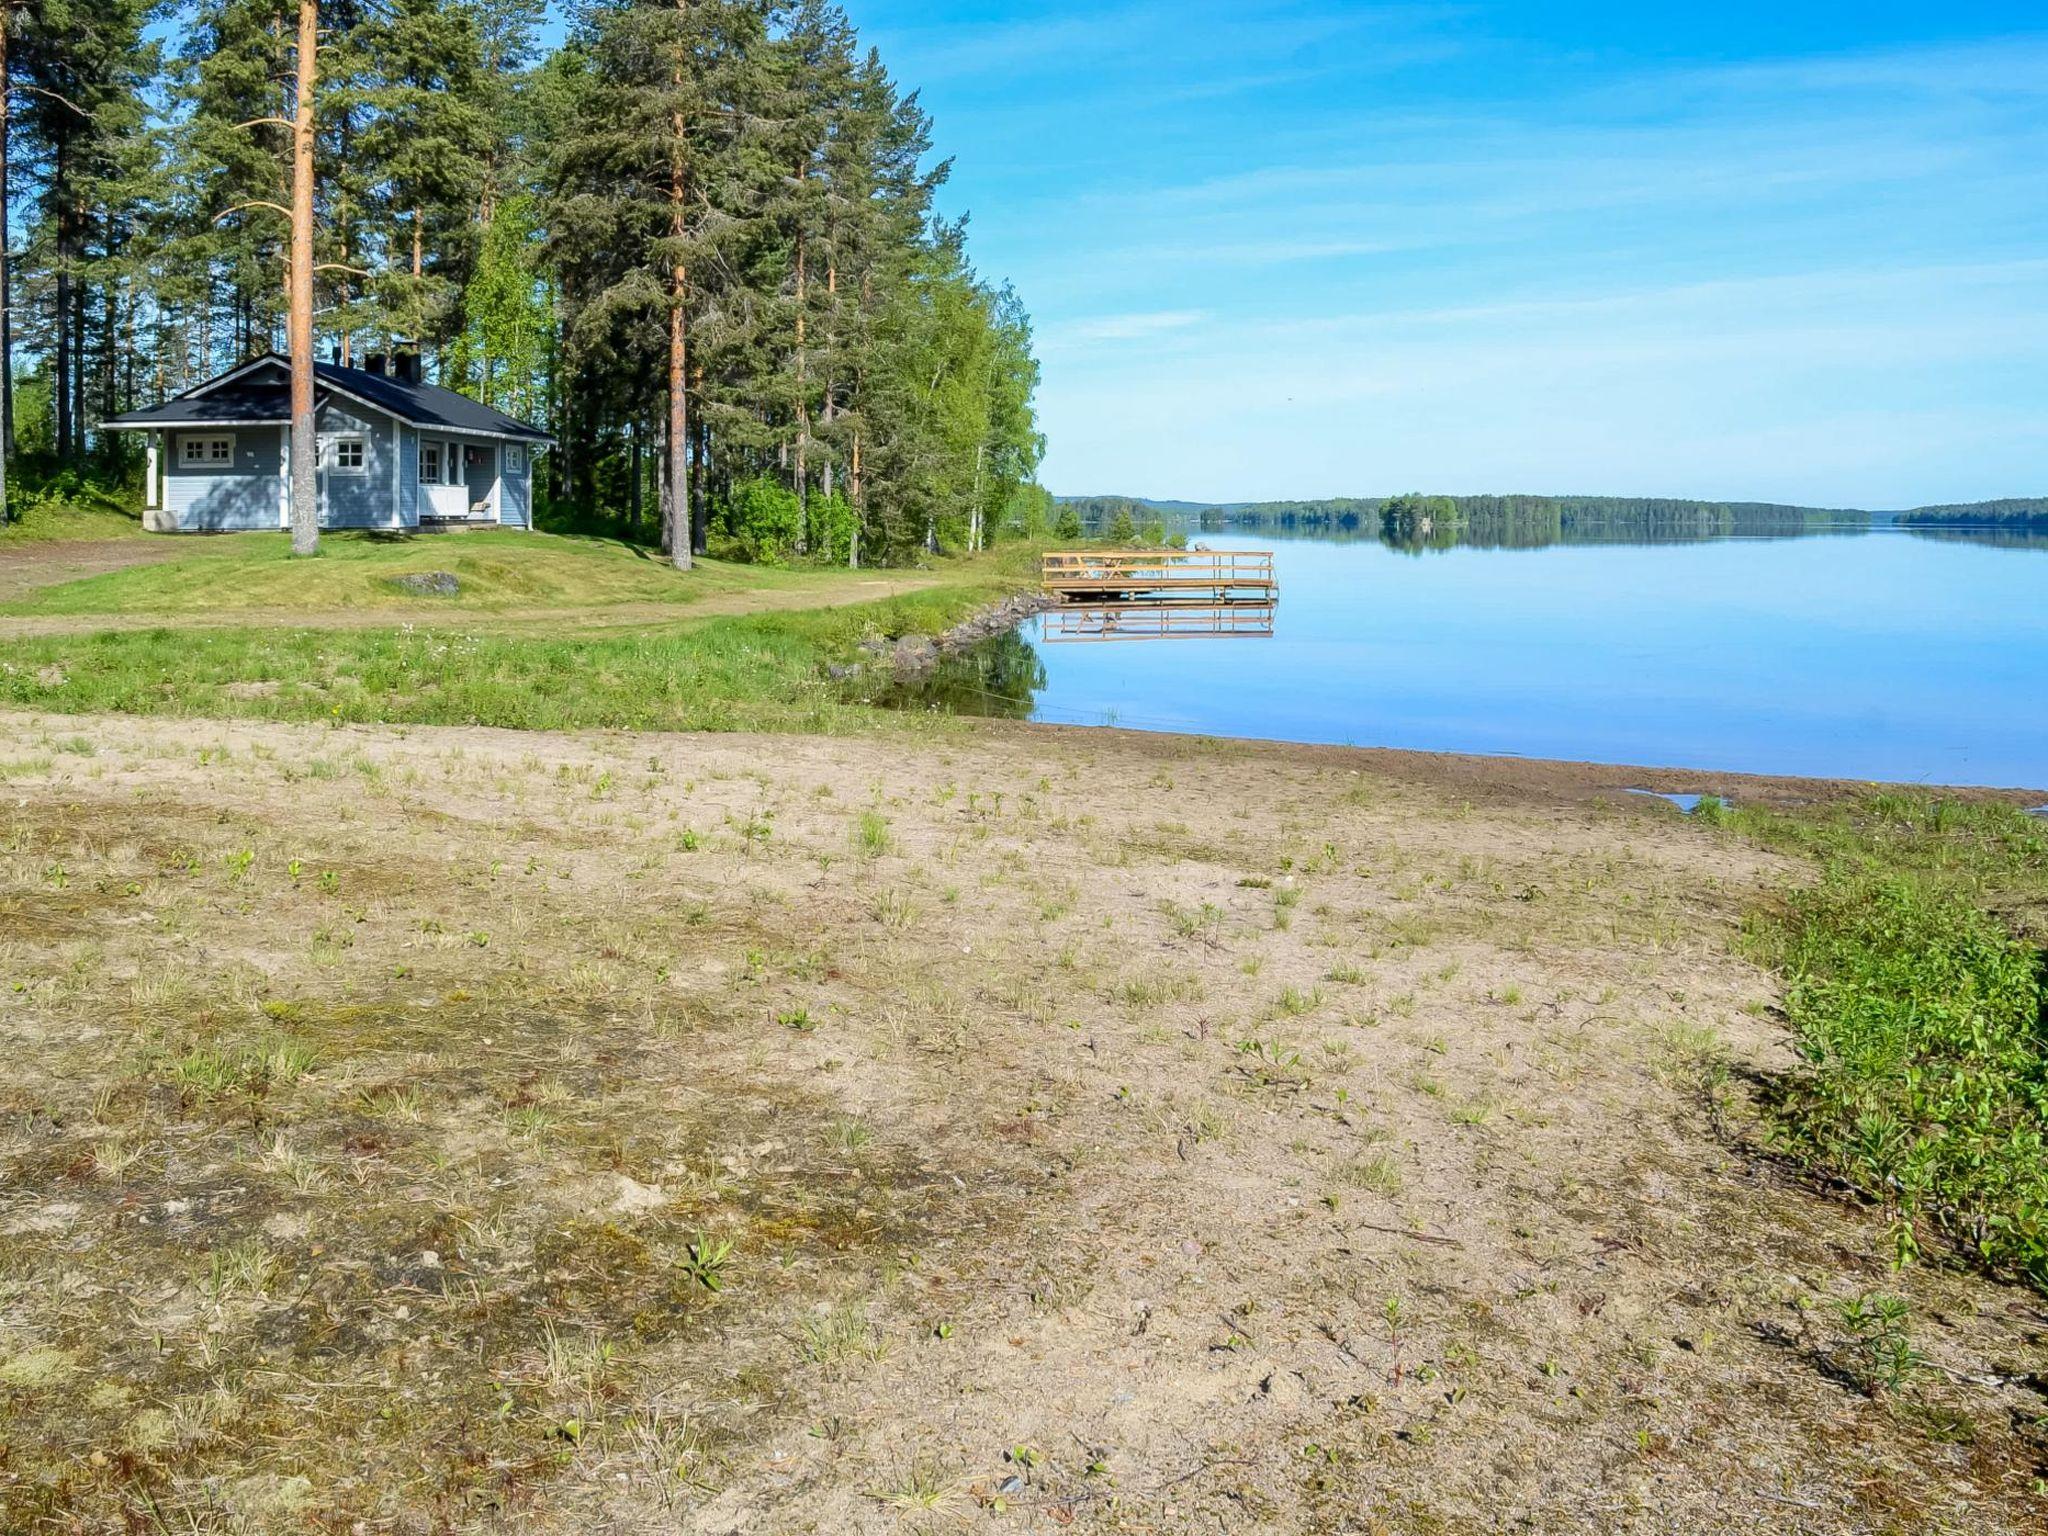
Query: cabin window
{"x": 346, "y": 455}
{"x": 202, "y": 452}
{"x": 515, "y": 459}
{"x": 430, "y": 463}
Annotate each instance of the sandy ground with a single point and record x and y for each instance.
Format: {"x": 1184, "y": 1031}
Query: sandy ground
{"x": 1109, "y": 1133}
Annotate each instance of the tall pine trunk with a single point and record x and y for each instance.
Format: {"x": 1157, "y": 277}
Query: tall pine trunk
{"x": 61, "y": 353}
{"x": 6, "y": 269}
{"x": 633, "y": 458}
{"x": 803, "y": 403}
{"x": 831, "y": 347}
{"x": 678, "y": 445}
{"x": 305, "y": 446}
{"x": 854, "y": 492}
{"x": 700, "y": 490}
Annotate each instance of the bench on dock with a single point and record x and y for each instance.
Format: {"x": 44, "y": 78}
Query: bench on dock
{"x": 1156, "y": 575}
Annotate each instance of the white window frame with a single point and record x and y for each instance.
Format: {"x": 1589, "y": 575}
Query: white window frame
{"x": 440, "y": 450}
{"x": 515, "y": 459}
{"x": 330, "y": 454}
{"x": 195, "y": 450}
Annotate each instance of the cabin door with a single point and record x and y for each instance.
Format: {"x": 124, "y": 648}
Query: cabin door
{"x": 480, "y": 477}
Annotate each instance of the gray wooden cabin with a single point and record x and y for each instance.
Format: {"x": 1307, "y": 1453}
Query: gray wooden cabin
{"x": 394, "y": 452}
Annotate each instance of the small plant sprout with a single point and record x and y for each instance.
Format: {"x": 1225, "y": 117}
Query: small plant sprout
{"x": 1884, "y": 1359}
{"x": 871, "y": 834}
{"x": 706, "y": 1260}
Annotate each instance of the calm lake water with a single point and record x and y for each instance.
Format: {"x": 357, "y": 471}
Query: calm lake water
{"x": 1875, "y": 656}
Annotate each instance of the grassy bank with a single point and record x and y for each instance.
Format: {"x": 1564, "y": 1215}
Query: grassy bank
{"x": 1915, "y": 986}
{"x": 759, "y": 671}
{"x": 54, "y": 518}
{"x": 494, "y": 570}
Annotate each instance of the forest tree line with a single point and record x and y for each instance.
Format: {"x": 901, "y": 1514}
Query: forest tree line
{"x": 2012, "y": 514}
{"x": 731, "y": 195}
{"x": 1524, "y": 522}
{"x": 1415, "y": 521}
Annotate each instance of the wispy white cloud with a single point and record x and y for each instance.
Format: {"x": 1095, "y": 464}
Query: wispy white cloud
{"x": 1857, "y": 386}
{"x": 1548, "y": 266}
{"x": 1132, "y": 327}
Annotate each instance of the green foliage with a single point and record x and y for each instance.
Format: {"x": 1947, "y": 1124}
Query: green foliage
{"x": 2017, "y": 513}
{"x": 1921, "y": 1019}
{"x": 1122, "y": 528}
{"x": 502, "y": 353}
{"x": 841, "y": 344}
{"x": 1069, "y": 525}
{"x": 766, "y": 519}
{"x": 1884, "y": 1359}
{"x": 66, "y": 504}
{"x": 1409, "y": 521}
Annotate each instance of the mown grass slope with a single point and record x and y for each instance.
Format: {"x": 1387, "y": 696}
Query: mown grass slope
{"x": 495, "y": 569}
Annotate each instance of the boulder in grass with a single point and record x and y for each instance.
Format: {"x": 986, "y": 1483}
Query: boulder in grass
{"x": 427, "y": 583}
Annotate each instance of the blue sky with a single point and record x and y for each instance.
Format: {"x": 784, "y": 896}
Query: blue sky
{"x": 1302, "y": 248}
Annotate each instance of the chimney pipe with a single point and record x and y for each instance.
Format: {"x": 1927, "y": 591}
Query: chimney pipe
{"x": 377, "y": 363}
{"x": 406, "y": 366}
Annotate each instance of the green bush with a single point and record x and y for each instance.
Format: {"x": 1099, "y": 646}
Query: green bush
{"x": 1921, "y": 1018}
{"x": 766, "y": 518}
{"x": 831, "y": 520}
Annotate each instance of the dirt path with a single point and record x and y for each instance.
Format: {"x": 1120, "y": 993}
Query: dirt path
{"x": 430, "y": 613}
{"x": 1111, "y": 1133}
{"x": 26, "y": 565}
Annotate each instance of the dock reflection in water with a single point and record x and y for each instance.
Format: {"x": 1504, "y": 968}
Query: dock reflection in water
{"x": 1157, "y": 619}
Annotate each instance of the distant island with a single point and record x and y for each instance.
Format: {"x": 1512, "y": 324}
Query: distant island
{"x": 1526, "y": 521}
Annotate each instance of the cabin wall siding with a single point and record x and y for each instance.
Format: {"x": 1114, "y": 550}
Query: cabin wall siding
{"x": 408, "y": 475}
{"x": 358, "y": 500}
{"x": 243, "y": 496}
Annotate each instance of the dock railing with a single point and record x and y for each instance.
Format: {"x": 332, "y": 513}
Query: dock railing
{"x": 1135, "y": 575}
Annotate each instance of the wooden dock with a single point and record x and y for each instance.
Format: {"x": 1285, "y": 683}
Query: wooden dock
{"x": 1208, "y": 576}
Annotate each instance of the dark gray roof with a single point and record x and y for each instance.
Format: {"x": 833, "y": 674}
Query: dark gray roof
{"x": 258, "y": 398}
{"x": 263, "y": 395}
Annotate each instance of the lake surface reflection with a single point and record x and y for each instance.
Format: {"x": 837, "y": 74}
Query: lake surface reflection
{"x": 1875, "y": 656}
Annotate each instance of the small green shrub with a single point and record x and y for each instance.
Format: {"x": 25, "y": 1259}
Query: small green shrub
{"x": 766, "y": 517}
{"x": 1921, "y": 1018}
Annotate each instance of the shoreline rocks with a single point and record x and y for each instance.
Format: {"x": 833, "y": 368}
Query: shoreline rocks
{"x": 911, "y": 656}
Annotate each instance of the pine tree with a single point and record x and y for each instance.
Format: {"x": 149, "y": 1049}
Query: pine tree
{"x": 427, "y": 140}
{"x": 82, "y": 68}
{"x": 652, "y": 186}
{"x": 815, "y": 81}
{"x": 231, "y": 181}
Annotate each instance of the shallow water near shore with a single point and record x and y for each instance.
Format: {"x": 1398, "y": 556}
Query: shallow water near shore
{"x": 1878, "y": 656}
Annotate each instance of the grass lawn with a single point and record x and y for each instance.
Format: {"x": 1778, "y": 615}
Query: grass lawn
{"x": 498, "y": 569}
{"x": 42, "y": 522}
{"x": 488, "y": 656}
{"x": 760, "y": 672}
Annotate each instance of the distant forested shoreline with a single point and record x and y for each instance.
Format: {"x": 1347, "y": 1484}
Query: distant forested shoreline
{"x": 1530, "y": 521}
